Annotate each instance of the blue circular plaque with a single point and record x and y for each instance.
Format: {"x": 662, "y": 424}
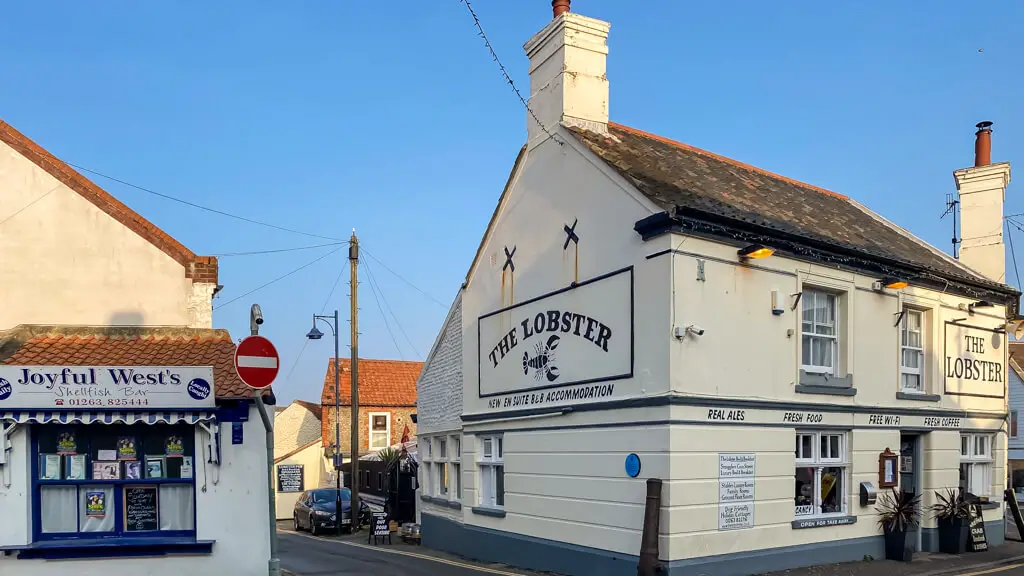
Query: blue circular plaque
{"x": 5, "y": 389}
{"x": 633, "y": 465}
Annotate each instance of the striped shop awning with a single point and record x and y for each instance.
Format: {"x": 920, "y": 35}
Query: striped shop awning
{"x": 105, "y": 416}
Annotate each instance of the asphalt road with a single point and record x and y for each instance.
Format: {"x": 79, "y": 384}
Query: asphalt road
{"x": 304, "y": 555}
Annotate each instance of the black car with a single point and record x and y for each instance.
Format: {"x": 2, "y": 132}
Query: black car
{"x": 316, "y": 510}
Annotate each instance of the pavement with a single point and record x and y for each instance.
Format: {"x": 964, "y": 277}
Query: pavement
{"x": 1005, "y": 560}
{"x": 351, "y": 555}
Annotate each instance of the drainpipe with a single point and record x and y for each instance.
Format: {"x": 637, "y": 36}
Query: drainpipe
{"x": 649, "y": 564}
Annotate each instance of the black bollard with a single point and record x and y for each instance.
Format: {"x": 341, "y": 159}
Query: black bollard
{"x": 649, "y": 565}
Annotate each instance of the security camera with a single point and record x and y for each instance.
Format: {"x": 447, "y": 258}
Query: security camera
{"x": 257, "y": 314}
{"x": 694, "y": 329}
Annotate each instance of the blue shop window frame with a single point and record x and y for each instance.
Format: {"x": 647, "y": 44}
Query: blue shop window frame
{"x": 118, "y": 488}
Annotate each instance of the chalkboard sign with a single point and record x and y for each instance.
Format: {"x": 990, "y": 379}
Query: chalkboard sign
{"x": 290, "y": 478}
{"x": 978, "y": 541}
{"x": 379, "y": 527}
{"x": 140, "y": 508}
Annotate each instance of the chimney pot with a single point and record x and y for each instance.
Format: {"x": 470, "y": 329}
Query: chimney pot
{"x": 983, "y": 144}
{"x": 559, "y": 7}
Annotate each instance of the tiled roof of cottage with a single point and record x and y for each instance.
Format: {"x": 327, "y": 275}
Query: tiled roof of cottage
{"x": 672, "y": 174}
{"x": 30, "y": 345}
{"x": 316, "y": 409}
{"x": 199, "y": 268}
{"x": 381, "y": 383}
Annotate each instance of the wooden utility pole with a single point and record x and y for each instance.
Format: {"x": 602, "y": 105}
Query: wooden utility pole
{"x": 353, "y": 260}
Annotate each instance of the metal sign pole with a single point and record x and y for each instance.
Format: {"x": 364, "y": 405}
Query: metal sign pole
{"x": 274, "y": 564}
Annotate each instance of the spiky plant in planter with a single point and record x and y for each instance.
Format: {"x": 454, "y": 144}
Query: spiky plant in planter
{"x": 953, "y": 514}
{"x": 898, "y": 513}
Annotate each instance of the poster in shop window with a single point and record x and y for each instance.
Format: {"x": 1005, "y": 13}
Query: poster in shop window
{"x": 66, "y": 444}
{"x": 564, "y": 347}
{"x": 974, "y": 363}
{"x": 96, "y": 504}
{"x": 126, "y": 448}
{"x": 174, "y": 447}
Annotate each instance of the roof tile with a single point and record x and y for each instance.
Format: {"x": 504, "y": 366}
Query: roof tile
{"x": 673, "y": 174}
{"x": 381, "y": 382}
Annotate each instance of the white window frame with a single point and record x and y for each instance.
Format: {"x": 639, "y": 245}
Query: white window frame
{"x": 810, "y": 296}
{"x": 370, "y": 431}
{"x": 425, "y": 464}
{"x": 904, "y": 349}
{"x": 819, "y": 459}
{"x": 442, "y": 467}
{"x": 455, "y": 460}
{"x": 487, "y": 465}
{"x": 976, "y": 453}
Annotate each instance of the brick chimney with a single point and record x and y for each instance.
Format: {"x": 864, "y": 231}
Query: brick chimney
{"x": 567, "y": 74}
{"x": 982, "y": 191}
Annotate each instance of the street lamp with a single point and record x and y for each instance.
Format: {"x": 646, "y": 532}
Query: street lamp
{"x": 315, "y": 334}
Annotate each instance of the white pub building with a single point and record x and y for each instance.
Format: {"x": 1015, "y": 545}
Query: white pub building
{"x": 640, "y": 308}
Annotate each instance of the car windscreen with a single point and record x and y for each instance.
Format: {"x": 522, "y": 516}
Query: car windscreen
{"x": 325, "y": 496}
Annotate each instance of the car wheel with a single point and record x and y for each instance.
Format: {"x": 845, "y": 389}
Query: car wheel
{"x": 312, "y": 526}
{"x": 295, "y": 520}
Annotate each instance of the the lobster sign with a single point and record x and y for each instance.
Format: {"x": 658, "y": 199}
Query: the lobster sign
{"x": 579, "y": 335}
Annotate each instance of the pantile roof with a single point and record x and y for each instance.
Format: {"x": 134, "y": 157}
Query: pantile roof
{"x": 381, "y": 382}
{"x": 677, "y": 177}
{"x": 199, "y": 268}
{"x": 31, "y": 345}
{"x": 316, "y": 409}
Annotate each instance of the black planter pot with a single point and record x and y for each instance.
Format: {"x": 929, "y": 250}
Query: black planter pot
{"x": 896, "y": 547}
{"x": 953, "y": 533}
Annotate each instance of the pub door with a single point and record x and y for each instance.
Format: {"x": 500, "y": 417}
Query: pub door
{"x": 910, "y": 478}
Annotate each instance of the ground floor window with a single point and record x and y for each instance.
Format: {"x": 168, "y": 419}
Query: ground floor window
{"x": 102, "y": 480}
{"x": 976, "y": 463}
{"x": 820, "y": 480}
{"x": 492, "y": 471}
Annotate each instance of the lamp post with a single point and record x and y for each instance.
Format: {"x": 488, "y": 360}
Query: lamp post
{"x": 316, "y": 334}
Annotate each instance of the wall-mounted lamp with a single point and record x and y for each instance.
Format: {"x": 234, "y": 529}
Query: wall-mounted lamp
{"x": 755, "y": 251}
{"x": 890, "y": 282}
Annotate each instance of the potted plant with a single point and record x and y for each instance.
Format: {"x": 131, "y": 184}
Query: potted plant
{"x": 898, "y": 513}
{"x": 953, "y": 513}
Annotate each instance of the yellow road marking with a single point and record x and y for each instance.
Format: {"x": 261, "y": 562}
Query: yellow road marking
{"x": 415, "y": 555}
{"x": 996, "y": 569}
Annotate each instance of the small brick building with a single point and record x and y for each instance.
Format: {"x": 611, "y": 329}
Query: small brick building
{"x": 387, "y": 400}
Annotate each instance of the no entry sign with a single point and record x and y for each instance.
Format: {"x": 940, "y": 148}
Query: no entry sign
{"x": 256, "y": 361}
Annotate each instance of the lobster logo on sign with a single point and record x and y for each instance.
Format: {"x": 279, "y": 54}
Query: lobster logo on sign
{"x": 543, "y": 362}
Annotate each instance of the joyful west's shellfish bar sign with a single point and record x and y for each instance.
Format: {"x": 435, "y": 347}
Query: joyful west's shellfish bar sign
{"x": 563, "y": 347}
{"x": 96, "y": 387}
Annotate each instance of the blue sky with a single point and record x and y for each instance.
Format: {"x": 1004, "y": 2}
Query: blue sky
{"x": 392, "y": 118}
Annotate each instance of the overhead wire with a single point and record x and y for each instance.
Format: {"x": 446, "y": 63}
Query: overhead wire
{"x": 201, "y": 207}
{"x": 504, "y": 72}
{"x": 305, "y": 341}
{"x": 373, "y": 281}
{"x": 1013, "y": 255}
{"x": 373, "y": 290}
{"x": 276, "y": 251}
{"x": 30, "y": 204}
{"x": 400, "y": 277}
{"x": 279, "y": 278}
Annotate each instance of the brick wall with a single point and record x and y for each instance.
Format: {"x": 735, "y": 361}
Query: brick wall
{"x": 439, "y": 388}
{"x": 400, "y": 417}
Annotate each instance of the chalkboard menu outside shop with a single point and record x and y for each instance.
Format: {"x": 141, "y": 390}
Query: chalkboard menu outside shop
{"x": 290, "y": 478}
{"x": 140, "y": 508}
{"x": 978, "y": 541}
{"x": 379, "y": 528}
